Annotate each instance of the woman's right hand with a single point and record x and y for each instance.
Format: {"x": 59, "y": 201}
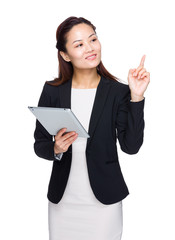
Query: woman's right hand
{"x": 64, "y": 140}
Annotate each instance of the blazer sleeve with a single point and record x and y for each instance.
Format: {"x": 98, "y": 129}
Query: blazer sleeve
{"x": 130, "y": 122}
{"x": 44, "y": 144}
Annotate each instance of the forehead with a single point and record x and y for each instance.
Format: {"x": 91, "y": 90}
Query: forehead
{"x": 80, "y": 31}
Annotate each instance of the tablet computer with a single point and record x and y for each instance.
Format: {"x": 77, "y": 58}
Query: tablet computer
{"x": 53, "y": 119}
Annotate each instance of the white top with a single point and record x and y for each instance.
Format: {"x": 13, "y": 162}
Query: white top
{"x": 78, "y": 188}
{"x": 79, "y": 214}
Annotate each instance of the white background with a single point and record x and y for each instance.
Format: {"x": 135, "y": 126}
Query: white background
{"x": 28, "y": 57}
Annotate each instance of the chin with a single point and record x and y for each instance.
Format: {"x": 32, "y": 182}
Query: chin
{"x": 93, "y": 64}
{"x": 88, "y": 65}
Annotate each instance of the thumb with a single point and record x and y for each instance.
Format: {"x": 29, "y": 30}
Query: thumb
{"x": 131, "y": 71}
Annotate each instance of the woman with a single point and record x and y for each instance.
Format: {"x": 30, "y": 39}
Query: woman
{"x": 87, "y": 187}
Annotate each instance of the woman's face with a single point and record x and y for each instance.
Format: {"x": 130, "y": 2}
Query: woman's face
{"x": 83, "y": 47}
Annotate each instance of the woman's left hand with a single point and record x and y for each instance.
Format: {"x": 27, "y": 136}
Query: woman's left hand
{"x": 138, "y": 80}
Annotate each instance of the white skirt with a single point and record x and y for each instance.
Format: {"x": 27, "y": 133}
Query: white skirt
{"x": 85, "y": 222}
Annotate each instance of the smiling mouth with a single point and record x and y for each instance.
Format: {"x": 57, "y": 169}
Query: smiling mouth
{"x": 91, "y": 57}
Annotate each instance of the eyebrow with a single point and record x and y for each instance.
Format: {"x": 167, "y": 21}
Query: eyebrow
{"x": 81, "y": 40}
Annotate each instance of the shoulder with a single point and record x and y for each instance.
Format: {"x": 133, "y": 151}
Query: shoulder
{"x": 48, "y": 88}
{"x": 49, "y": 95}
{"x": 119, "y": 88}
{"x": 52, "y": 90}
{"x": 119, "y": 91}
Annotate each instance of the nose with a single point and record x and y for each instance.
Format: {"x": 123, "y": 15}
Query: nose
{"x": 89, "y": 47}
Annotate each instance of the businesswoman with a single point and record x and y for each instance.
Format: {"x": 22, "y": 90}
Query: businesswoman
{"x": 87, "y": 187}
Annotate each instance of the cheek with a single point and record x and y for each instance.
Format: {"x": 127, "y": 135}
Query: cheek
{"x": 76, "y": 55}
{"x": 98, "y": 47}
{"x": 98, "y": 50}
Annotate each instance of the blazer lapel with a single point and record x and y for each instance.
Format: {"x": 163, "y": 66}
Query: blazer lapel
{"x": 65, "y": 94}
{"x": 99, "y": 102}
{"x": 98, "y": 105}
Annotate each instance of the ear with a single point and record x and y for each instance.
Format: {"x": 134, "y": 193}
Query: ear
{"x": 65, "y": 56}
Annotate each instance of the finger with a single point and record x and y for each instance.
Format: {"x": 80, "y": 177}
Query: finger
{"x": 61, "y": 131}
{"x": 146, "y": 74}
{"x": 70, "y": 140}
{"x": 59, "y": 134}
{"x": 132, "y": 70}
{"x": 137, "y": 71}
{"x": 63, "y": 145}
{"x": 68, "y": 135}
{"x": 142, "y": 61}
{"x": 141, "y": 72}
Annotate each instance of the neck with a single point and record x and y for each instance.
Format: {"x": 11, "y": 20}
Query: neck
{"x": 86, "y": 78}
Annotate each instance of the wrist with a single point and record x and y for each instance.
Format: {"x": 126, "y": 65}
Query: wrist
{"x": 136, "y": 98}
{"x": 56, "y": 151}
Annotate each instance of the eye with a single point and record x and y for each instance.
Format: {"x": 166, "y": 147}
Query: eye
{"x": 79, "y": 45}
{"x": 93, "y": 40}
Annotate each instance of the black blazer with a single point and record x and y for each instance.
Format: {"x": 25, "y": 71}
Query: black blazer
{"x": 112, "y": 110}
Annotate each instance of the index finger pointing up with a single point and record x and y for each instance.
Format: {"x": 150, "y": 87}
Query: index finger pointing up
{"x": 142, "y": 61}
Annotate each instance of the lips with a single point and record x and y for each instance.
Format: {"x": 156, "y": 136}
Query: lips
{"x": 91, "y": 56}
